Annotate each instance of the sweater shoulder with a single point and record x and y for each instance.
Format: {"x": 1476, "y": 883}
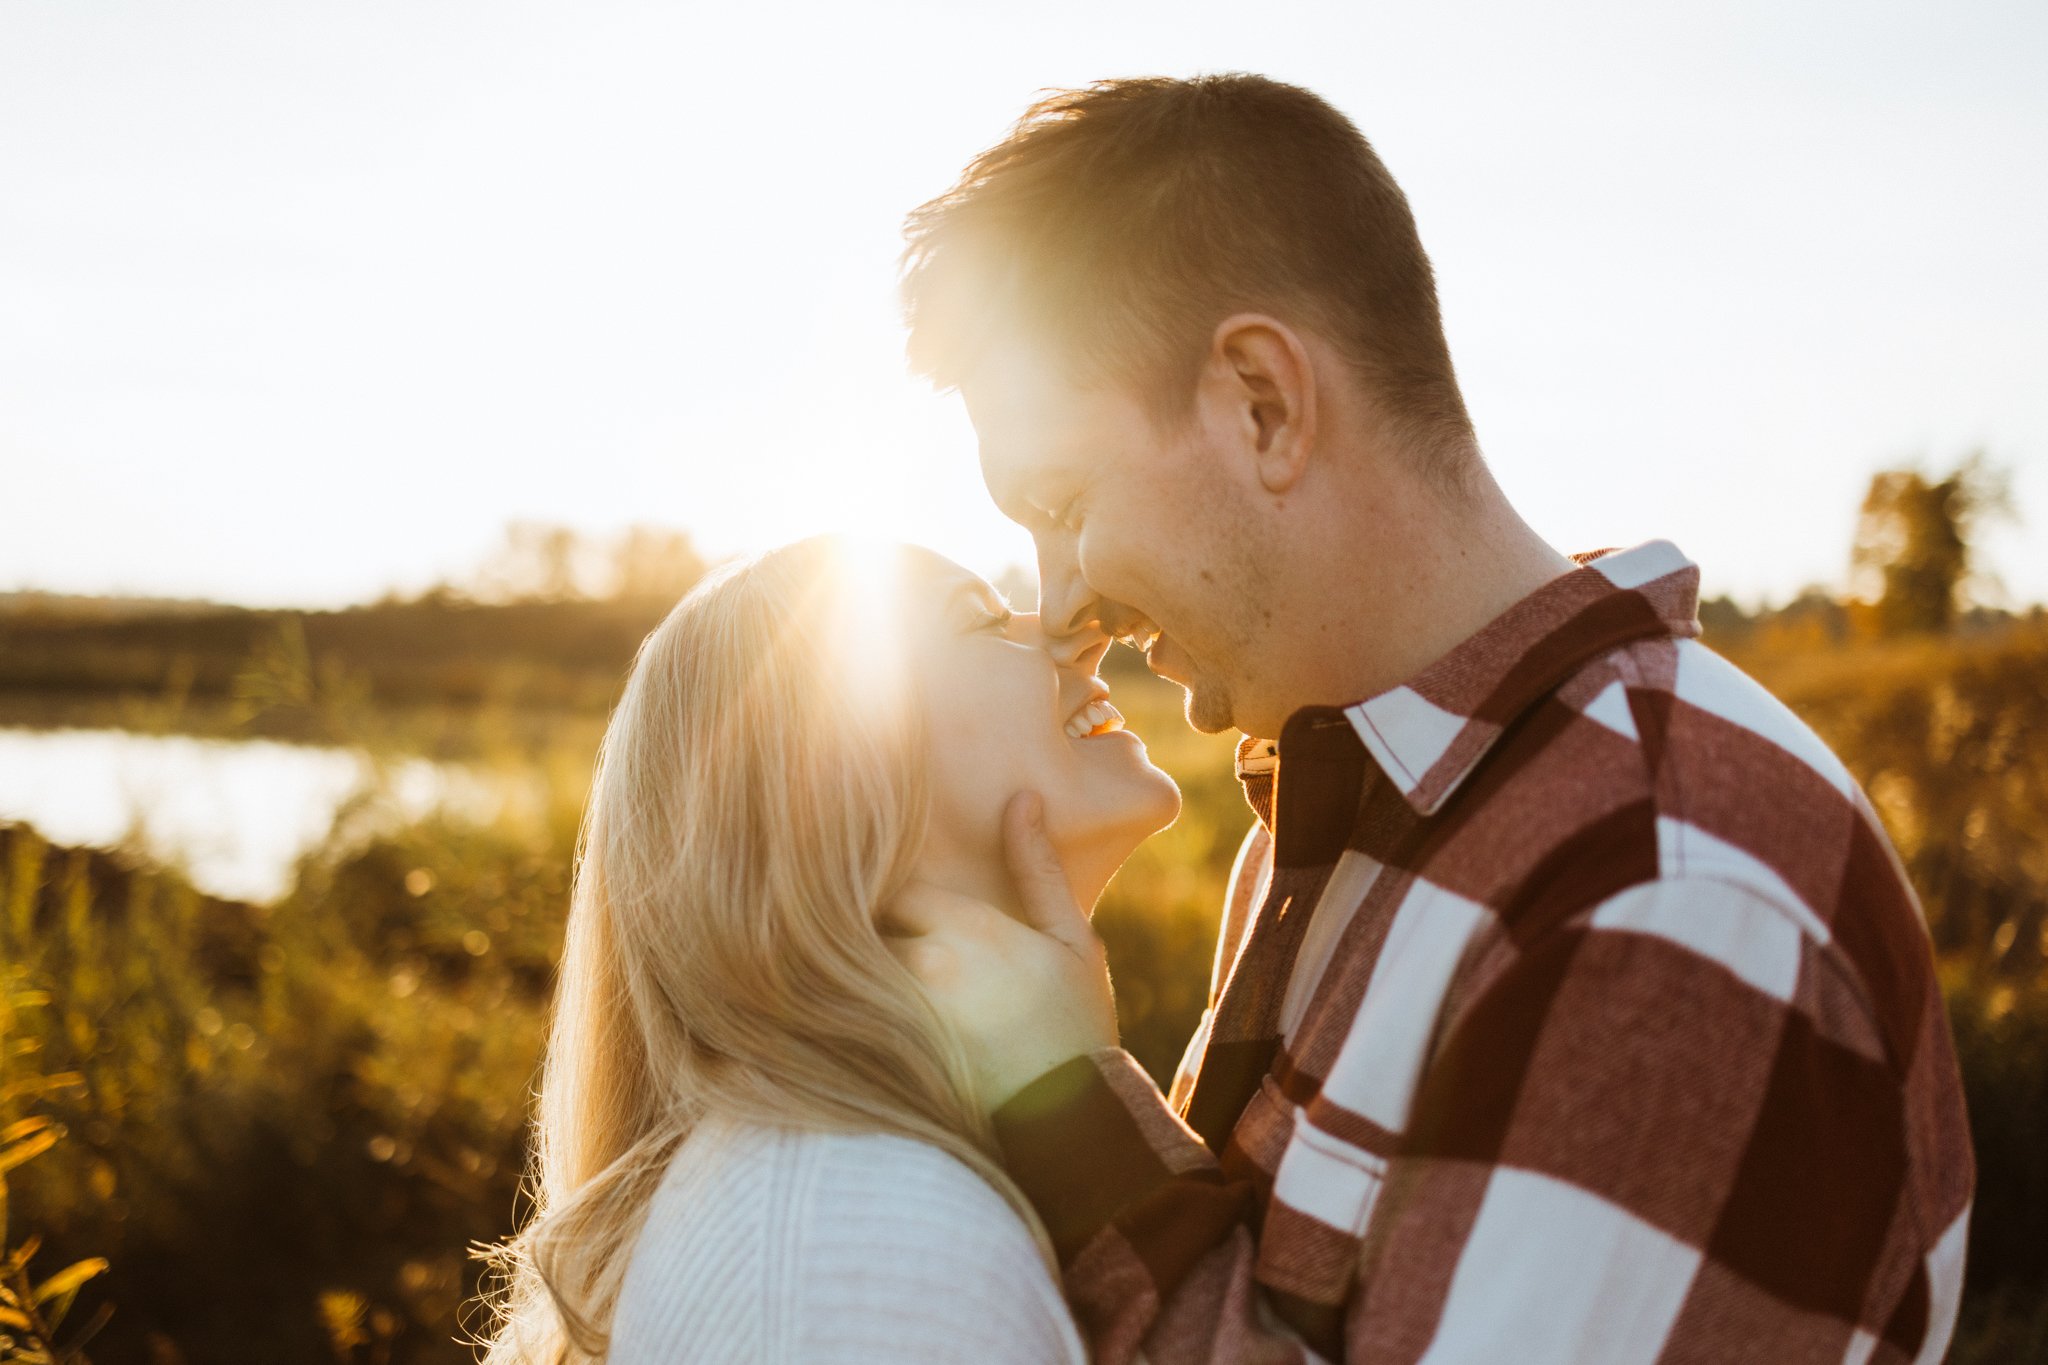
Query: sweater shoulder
{"x": 771, "y": 1244}
{"x": 918, "y": 1191}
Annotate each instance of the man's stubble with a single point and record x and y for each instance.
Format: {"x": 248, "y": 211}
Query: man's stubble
{"x": 1240, "y": 605}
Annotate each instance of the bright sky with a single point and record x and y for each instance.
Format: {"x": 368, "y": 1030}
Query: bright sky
{"x": 300, "y": 302}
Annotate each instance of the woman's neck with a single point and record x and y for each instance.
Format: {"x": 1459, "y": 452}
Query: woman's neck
{"x": 983, "y": 875}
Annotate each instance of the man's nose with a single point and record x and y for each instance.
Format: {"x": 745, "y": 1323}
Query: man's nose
{"x": 1070, "y": 615}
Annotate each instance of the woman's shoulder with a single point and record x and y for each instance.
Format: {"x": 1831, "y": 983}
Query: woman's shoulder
{"x": 905, "y": 1172}
{"x": 881, "y": 1191}
{"x": 728, "y": 1162}
{"x": 835, "y": 1246}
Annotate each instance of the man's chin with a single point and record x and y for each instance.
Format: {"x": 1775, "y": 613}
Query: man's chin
{"x": 1208, "y": 708}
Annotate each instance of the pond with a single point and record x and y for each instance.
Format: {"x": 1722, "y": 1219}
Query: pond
{"x": 234, "y": 815}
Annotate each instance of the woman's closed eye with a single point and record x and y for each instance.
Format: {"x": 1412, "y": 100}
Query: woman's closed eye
{"x": 980, "y": 609}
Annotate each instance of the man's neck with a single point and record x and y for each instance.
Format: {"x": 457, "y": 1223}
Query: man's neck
{"x": 1387, "y": 605}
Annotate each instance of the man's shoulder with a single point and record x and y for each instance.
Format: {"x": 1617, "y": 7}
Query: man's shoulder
{"x": 1751, "y": 842}
{"x": 1665, "y": 765}
{"x": 1739, "y": 787}
{"x": 1702, "y": 711}
{"x": 1702, "y": 744}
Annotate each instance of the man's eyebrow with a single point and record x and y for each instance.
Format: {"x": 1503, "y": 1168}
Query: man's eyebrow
{"x": 1002, "y": 489}
{"x": 1059, "y": 459}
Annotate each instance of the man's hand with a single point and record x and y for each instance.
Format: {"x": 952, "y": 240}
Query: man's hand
{"x": 1024, "y": 994}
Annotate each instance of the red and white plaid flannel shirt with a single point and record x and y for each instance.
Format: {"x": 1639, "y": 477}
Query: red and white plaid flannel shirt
{"x": 1570, "y": 1007}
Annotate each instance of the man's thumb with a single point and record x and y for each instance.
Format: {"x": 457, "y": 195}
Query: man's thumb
{"x": 1048, "y": 902}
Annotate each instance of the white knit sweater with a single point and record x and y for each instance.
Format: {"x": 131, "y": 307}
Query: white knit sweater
{"x": 768, "y": 1246}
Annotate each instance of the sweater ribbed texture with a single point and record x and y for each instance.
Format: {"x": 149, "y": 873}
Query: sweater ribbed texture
{"x": 766, "y": 1245}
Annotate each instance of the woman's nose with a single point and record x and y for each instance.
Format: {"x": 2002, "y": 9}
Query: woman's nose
{"x": 1079, "y": 651}
{"x": 1076, "y": 646}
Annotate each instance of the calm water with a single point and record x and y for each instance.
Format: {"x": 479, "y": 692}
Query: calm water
{"x": 234, "y": 814}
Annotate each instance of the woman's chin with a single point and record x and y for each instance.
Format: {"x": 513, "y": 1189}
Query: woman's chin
{"x": 1121, "y": 799}
{"x": 1166, "y": 799}
{"x": 1153, "y": 804}
{"x": 1148, "y": 797}
{"x": 1098, "y": 845}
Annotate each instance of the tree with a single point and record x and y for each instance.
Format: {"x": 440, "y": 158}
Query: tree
{"x": 545, "y": 562}
{"x": 537, "y": 562}
{"x": 650, "y": 563}
{"x": 1912, "y": 556}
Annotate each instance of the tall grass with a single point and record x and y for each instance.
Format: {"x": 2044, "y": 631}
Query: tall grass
{"x": 286, "y": 1124}
{"x": 33, "y": 1307}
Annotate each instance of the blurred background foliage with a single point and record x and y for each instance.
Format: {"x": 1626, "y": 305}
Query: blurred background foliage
{"x": 281, "y": 1126}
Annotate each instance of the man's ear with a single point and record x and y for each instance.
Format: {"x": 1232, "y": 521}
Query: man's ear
{"x": 1267, "y": 386}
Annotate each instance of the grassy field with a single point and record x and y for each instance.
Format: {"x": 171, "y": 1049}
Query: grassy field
{"x": 282, "y": 1125}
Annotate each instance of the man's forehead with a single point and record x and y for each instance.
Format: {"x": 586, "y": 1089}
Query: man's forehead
{"x": 1027, "y": 416}
{"x": 1015, "y": 459}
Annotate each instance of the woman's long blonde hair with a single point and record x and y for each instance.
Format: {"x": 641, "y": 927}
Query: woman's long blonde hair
{"x": 759, "y": 798}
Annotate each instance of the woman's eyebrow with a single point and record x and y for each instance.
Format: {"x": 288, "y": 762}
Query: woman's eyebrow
{"x": 981, "y": 595}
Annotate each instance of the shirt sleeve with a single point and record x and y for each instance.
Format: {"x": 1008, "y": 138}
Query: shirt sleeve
{"x": 1669, "y": 1128}
{"x": 1245, "y": 889}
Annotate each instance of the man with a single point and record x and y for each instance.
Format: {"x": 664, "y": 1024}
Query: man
{"x": 1570, "y": 1005}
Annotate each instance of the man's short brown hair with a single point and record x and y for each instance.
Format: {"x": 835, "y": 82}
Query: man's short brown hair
{"x": 1118, "y": 224}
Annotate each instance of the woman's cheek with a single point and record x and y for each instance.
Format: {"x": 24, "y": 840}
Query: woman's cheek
{"x": 977, "y": 767}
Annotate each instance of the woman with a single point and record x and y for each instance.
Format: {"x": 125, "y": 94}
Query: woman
{"x": 755, "y": 1140}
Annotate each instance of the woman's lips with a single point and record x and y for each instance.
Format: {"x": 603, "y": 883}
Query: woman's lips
{"x": 1098, "y": 717}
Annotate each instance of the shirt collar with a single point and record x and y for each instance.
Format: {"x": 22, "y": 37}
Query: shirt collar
{"x": 1258, "y": 763}
{"x": 1429, "y": 733}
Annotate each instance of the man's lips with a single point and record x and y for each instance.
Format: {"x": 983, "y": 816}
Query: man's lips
{"x": 1163, "y": 659}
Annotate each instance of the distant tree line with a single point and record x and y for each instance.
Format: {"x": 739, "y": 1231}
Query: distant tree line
{"x": 544, "y": 562}
{"x": 1914, "y": 568}
{"x": 550, "y": 619}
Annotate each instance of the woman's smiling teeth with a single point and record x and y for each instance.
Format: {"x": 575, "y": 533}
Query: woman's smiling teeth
{"x": 1096, "y": 718}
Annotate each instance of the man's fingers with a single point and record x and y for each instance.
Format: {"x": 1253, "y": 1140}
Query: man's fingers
{"x": 1048, "y": 900}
